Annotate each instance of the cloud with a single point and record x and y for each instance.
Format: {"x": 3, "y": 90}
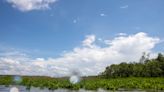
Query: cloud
{"x": 124, "y": 7}
{"x": 74, "y": 21}
{"x": 89, "y": 58}
{"x": 121, "y": 34}
{"x": 90, "y": 39}
{"x": 28, "y": 5}
{"x": 103, "y": 15}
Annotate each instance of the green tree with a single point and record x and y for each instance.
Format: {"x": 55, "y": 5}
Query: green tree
{"x": 160, "y": 57}
{"x": 153, "y": 69}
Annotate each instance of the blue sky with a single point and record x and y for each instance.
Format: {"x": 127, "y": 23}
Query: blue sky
{"x": 52, "y": 29}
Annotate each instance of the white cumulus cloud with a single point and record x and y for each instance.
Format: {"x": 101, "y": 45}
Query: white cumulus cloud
{"x": 90, "y": 39}
{"x": 89, "y": 58}
{"x": 28, "y": 5}
{"x": 121, "y": 34}
{"x": 124, "y": 7}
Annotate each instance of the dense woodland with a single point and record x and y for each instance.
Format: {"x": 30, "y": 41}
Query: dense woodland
{"x": 145, "y": 68}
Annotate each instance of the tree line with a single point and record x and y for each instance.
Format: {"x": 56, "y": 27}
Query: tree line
{"x": 145, "y": 68}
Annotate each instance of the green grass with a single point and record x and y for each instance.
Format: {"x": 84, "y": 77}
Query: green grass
{"x": 89, "y": 83}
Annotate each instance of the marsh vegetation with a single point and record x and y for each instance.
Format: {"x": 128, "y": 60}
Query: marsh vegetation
{"x": 89, "y": 83}
{"x": 128, "y": 76}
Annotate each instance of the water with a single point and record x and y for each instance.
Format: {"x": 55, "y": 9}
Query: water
{"x": 33, "y": 89}
{"x": 14, "y": 89}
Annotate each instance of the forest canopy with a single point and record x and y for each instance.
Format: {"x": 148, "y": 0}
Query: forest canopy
{"x": 145, "y": 68}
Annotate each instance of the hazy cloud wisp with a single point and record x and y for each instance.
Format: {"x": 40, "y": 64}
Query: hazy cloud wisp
{"x": 28, "y": 5}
